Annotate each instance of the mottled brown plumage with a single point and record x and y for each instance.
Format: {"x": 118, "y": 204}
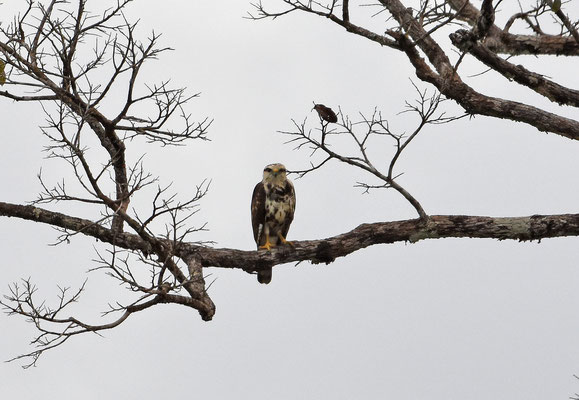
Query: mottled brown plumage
{"x": 272, "y": 211}
{"x": 326, "y": 113}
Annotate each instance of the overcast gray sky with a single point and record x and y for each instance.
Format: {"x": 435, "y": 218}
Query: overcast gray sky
{"x": 452, "y": 318}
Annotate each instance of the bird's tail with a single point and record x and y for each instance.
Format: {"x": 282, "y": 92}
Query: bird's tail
{"x": 264, "y": 276}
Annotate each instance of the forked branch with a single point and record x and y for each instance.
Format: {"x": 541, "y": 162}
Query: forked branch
{"x": 365, "y": 136}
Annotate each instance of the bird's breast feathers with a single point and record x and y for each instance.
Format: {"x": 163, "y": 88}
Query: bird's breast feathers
{"x": 279, "y": 203}
{"x": 278, "y": 210}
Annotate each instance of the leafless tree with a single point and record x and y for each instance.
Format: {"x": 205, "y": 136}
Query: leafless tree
{"x": 70, "y": 60}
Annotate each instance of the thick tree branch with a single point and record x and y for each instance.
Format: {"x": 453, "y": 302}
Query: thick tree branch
{"x": 447, "y": 81}
{"x": 535, "y": 227}
{"x": 553, "y": 91}
{"x": 74, "y": 224}
{"x": 476, "y": 103}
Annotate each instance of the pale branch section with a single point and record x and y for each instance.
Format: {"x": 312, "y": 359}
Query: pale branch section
{"x": 415, "y": 31}
{"x": 504, "y": 42}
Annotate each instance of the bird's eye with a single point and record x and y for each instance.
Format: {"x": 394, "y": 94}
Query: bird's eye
{"x": 282, "y": 170}
{"x": 267, "y": 169}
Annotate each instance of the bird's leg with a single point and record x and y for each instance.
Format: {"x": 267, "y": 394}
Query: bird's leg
{"x": 279, "y": 235}
{"x": 267, "y": 246}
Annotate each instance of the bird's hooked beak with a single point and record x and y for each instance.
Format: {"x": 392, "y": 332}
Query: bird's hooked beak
{"x": 275, "y": 171}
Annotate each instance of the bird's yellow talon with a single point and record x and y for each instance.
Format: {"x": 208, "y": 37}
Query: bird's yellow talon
{"x": 283, "y": 240}
{"x": 267, "y": 246}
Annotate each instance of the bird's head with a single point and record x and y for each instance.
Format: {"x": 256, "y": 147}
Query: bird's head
{"x": 274, "y": 174}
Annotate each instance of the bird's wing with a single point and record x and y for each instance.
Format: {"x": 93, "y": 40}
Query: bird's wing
{"x": 289, "y": 215}
{"x": 258, "y": 212}
{"x": 326, "y": 113}
{"x": 330, "y": 115}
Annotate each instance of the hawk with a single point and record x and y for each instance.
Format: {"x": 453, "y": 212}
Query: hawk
{"x": 272, "y": 211}
{"x": 325, "y": 113}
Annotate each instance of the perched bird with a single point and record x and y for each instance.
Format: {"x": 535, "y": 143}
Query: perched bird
{"x": 272, "y": 211}
{"x": 325, "y": 113}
